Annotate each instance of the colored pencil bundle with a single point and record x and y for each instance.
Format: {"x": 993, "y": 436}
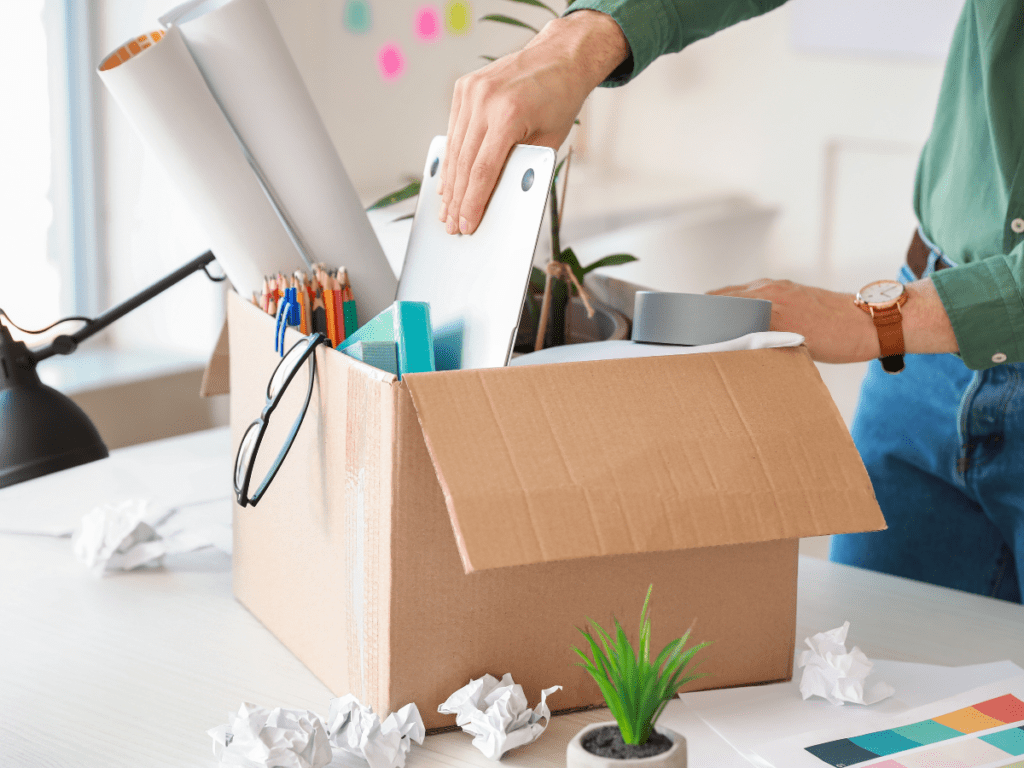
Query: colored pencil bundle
{"x": 321, "y": 302}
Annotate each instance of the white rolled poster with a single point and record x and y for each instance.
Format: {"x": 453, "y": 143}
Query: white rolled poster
{"x": 217, "y": 84}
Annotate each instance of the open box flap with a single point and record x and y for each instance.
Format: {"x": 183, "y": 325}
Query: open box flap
{"x": 556, "y": 462}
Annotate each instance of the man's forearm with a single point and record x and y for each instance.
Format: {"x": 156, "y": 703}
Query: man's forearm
{"x": 592, "y": 40}
{"x": 926, "y": 326}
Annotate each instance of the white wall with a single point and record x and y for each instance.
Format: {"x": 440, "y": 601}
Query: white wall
{"x": 745, "y": 108}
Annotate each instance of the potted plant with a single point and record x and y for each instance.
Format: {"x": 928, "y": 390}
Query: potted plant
{"x": 636, "y": 691}
{"x": 548, "y": 310}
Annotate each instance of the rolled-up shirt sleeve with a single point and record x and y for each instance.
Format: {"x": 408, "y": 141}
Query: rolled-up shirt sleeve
{"x": 656, "y": 27}
{"x": 985, "y": 303}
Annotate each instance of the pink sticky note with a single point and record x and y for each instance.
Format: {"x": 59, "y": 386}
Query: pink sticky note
{"x": 391, "y": 61}
{"x": 428, "y": 24}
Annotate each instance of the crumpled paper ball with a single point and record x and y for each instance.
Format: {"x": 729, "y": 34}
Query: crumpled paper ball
{"x": 496, "y": 714}
{"x": 355, "y": 729}
{"x": 272, "y": 738}
{"x": 837, "y": 675}
{"x": 116, "y": 537}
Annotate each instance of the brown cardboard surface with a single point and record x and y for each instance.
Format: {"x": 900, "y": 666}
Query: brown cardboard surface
{"x": 312, "y": 560}
{"x": 555, "y": 462}
{"x": 448, "y": 626}
{"x": 216, "y": 377}
{"x": 350, "y": 558}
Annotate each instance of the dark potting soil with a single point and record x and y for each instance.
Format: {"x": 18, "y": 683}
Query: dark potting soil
{"x": 607, "y": 742}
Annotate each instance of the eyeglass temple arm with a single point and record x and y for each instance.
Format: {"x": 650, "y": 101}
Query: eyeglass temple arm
{"x": 65, "y": 344}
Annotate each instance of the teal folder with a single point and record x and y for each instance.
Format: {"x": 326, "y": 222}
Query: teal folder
{"x": 379, "y": 354}
{"x": 407, "y": 325}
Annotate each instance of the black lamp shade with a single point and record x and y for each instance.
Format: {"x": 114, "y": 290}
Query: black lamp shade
{"x": 41, "y": 430}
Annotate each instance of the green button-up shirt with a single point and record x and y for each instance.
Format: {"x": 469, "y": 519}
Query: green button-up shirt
{"x": 969, "y": 193}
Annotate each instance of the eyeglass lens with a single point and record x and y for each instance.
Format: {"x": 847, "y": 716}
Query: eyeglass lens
{"x": 285, "y": 368}
{"x": 245, "y": 450}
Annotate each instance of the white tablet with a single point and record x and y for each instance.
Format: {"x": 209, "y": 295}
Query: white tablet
{"x": 476, "y": 284}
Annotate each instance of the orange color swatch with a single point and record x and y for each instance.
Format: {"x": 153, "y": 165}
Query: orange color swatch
{"x": 968, "y": 720}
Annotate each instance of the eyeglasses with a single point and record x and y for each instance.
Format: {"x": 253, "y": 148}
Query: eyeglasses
{"x": 253, "y": 437}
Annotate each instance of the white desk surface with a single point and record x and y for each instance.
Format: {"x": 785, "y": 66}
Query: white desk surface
{"x": 131, "y": 670}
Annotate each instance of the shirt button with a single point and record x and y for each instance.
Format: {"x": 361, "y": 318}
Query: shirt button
{"x": 998, "y": 357}
{"x": 1017, "y": 225}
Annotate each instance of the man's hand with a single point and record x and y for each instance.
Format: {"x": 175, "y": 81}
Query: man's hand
{"x": 532, "y": 97}
{"x": 837, "y": 331}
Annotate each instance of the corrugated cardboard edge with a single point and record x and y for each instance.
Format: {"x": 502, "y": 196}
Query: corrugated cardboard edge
{"x": 449, "y": 504}
{"x": 217, "y": 376}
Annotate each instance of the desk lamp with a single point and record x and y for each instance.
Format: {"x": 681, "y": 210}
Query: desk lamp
{"x": 42, "y": 430}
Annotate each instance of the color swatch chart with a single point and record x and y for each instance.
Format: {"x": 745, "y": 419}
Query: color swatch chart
{"x": 989, "y": 733}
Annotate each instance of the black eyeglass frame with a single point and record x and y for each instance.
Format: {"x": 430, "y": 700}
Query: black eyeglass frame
{"x": 241, "y": 492}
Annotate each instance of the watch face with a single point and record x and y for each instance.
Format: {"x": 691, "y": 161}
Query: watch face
{"x": 881, "y": 292}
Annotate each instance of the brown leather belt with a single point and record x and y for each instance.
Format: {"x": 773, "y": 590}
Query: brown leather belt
{"x": 917, "y": 256}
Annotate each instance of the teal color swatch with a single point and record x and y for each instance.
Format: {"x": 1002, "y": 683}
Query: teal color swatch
{"x": 927, "y": 732}
{"x": 884, "y": 742}
{"x": 1010, "y": 741}
{"x": 357, "y": 17}
{"x": 841, "y": 753}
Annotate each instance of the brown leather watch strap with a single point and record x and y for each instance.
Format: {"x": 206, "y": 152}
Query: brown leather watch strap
{"x": 889, "y": 323}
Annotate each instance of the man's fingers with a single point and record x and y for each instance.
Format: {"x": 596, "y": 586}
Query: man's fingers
{"x": 731, "y": 290}
{"x": 483, "y": 177}
{"x": 453, "y": 120}
{"x": 727, "y": 290}
{"x": 471, "y": 144}
{"x": 453, "y": 149}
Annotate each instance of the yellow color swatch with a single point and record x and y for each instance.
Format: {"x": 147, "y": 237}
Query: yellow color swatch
{"x": 968, "y": 720}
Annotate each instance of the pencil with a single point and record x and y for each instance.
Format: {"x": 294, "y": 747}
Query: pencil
{"x": 319, "y": 314}
{"x": 339, "y": 310}
{"x": 349, "y": 303}
{"x": 332, "y": 327}
{"x": 265, "y": 298}
{"x": 306, "y": 326}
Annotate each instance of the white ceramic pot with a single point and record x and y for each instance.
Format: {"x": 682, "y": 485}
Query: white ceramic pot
{"x": 577, "y": 757}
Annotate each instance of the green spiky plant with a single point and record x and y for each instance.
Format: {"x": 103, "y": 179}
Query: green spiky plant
{"x": 560, "y": 292}
{"x": 636, "y": 689}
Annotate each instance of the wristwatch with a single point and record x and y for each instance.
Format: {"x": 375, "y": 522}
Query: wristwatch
{"x": 882, "y": 300}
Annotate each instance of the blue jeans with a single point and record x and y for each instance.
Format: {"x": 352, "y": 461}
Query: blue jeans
{"x": 944, "y": 447}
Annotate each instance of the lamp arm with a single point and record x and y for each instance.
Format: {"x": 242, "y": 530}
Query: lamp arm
{"x": 65, "y": 344}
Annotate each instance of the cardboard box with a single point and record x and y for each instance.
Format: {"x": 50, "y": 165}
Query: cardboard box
{"x": 425, "y": 532}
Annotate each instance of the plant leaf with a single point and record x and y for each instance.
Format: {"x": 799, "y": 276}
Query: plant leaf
{"x": 569, "y": 257}
{"x": 558, "y": 170}
{"x": 488, "y": 58}
{"x": 537, "y": 279}
{"x": 610, "y": 261}
{"x": 410, "y": 190}
{"x": 645, "y": 628}
{"x": 538, "y": 4}
{"x": 503, "y": 19}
